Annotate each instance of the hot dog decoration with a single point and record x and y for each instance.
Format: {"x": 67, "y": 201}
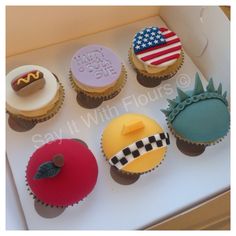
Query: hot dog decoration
{"x": 28, "y": 83}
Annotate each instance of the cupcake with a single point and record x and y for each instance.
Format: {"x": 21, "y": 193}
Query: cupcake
{"x": 134, "y": 144}
{"x": 33, "y": 94}
{"x": 61, "y": 173}
{"x": 96, "y": 74}
{"x": 156, "y": 54}
{"x": 198, "y": 118}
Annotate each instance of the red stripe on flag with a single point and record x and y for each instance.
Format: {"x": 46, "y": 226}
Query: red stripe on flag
{"x": 149, "y": 57}
{"x": 169, "y": 35}
{"x": 159, "y": 46}
{"x": 163, "y": 29}
{"x": 158, "y": 62}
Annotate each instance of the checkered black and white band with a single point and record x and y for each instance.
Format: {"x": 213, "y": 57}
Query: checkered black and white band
{"x": 138, "y": 148}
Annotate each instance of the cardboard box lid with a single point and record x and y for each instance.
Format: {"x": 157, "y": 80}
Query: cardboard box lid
{"x": 54, "y": 24}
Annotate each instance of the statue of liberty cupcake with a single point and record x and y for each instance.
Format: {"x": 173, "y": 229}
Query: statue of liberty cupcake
{"x": 198, "y": 118}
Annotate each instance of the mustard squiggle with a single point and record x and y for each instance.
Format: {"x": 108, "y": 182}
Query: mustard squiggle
{"x": 29, "y": 76}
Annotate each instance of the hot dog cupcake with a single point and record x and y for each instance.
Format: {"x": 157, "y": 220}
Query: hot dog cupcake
{"x": 198, "y": 118}
{"x": 61, "y": 173}
{"x": 156, "y": 54}
{"x": 96, "y": 74}
{"x": 33, "y": 94}
{"x": 140, "y": 144}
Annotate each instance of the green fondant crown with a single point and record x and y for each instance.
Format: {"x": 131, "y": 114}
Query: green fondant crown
{"x": 198, "y": 94}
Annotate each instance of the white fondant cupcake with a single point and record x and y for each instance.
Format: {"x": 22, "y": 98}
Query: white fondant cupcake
{"x": 33, "y": 94}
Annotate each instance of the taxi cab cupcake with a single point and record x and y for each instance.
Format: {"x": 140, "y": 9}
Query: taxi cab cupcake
{"x": 134, "y": 144}
{"x": 156, "y": 54}
{"x": 61, "y": 173}
{"x": 198, "y": 118}
{"x": 97, "y": 74}
{"x": 33, "y": 94}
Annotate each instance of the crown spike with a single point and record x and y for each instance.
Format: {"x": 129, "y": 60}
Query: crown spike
{"x": 219, "y": 90}
{"x": 225, "y": 94}
{"x": 172, "y": 103}
{"x": 182, "y": 95}
{"x": 210, "y": 86}
{"x": 198, "y": 88}
{"x": 166, "y": 112}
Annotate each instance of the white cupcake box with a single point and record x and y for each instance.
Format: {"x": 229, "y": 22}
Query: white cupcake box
{"x": 181, "y": 181}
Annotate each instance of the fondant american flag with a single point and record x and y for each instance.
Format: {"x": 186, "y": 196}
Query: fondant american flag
{"x": 157, "y": 46}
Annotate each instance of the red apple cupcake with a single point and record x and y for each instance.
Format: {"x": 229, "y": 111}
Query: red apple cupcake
{"x": 61, "y": 173}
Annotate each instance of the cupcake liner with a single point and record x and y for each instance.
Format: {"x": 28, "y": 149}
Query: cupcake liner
{"x": 147, "y": 81}
{"x": 163, "y": 75}
{"x": 50, "y": 113}
{"x": 88, "y": 102}
{"x": 20, "y": 125}
{"x": 190, "y": 149}
{"x": 107, "y": 95}
{"x": 47, "y": 212}
{"x": 130, "y": 173}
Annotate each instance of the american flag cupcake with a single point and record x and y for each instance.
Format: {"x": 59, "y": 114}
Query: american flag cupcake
{"x": 156, "y": 54}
